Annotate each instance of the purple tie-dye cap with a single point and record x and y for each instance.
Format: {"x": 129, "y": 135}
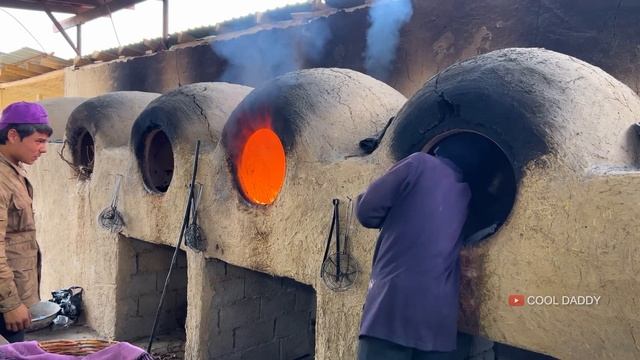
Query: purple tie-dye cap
{"x": 24, "y": 113}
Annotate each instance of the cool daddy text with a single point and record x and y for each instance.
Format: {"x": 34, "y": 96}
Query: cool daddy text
{"x": 579, "y": 300}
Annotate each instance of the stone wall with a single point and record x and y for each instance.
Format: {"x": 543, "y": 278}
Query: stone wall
{"x": 143, "y": 270}
{"x": 257, "y": 316}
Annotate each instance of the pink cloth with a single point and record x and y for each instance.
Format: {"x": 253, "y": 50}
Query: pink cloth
{"x": 29, "y": 350}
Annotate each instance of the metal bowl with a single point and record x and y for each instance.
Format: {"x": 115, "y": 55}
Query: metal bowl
{"x": 42, "y": 314}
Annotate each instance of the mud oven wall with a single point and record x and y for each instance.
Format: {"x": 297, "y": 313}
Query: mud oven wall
{"x": 559, "y": 145}
{"x": 567, "y": 129}
{"x": 234, "y": 307}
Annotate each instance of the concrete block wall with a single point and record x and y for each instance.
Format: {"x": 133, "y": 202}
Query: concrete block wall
{"x": 144, "y": 269}
{"x": 257, "y": 316}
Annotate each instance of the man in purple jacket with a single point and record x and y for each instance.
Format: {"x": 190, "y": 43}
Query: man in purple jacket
{"x": 411, "y": 308}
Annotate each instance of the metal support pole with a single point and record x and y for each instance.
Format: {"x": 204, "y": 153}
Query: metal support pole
{"x": 79, "y": 39}
{"x": 59, "y": 27}
{"x": 165, "y": 20}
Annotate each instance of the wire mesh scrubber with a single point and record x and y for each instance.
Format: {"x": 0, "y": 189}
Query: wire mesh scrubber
{"x": 110, "y": 218}
{"x": 339, "y": 270}
{"x": 193, "y": 234}
{"x": 339, "y": 277}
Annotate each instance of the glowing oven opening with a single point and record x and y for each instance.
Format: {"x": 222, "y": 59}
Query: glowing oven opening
{"x": 261, "y": 167}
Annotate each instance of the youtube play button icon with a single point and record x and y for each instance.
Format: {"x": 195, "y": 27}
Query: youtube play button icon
{"x": 516, "y": 300}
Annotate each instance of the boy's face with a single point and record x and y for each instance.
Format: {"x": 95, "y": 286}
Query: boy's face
{"x": 30, "y": 148}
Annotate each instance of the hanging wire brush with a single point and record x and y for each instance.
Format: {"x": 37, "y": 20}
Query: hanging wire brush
{"x": 193, "y": 235}
{"x": 339, "y": 270}
{"x": 110, "y": 218}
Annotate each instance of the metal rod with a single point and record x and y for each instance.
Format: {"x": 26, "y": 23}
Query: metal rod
{"x": 113, "y": 25}
{"x": 185, "y": 221}
{"x": 347, "y": 232}
{"x": 165, "y": 20}
{"x": 79, "y": 39}
{"x": 116, "y": 192}
{"x": 197, "y": 195}
{"x": 345, "y": 246}
{"x": 59, "y": 27}
{"x": 337, "y": 204}
{"x": 326, "y": 249}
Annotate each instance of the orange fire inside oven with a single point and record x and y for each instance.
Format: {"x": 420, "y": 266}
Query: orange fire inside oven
{"x": 261, "y": 167}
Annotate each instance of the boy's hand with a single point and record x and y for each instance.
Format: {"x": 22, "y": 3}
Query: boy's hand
{"x": 17, "y": 319}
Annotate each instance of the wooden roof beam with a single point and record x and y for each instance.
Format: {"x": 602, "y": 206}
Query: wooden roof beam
{"x": 36, "y": 5}
{"x": 16, "y": 70}
{"x": 104, "y": 55}
{"x": 53, "y": 63}
{"x": 154, "y": 44}
{"x": 97, "y": 12}
{"x": 7, "y": 76}
{"x": 130, "y": 51}
{"x": 38, "y": 68}
{"x": 184, "y": 37}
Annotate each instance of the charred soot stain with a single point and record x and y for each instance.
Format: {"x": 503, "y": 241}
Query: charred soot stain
{"x": 483, "y": 104}
{"x": 268, "y": 112}
{"x": 257, "y": 155}
{"x": 447, "y": 109}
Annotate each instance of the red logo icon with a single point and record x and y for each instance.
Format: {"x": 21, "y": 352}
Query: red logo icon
{"x": 516, "y": 300}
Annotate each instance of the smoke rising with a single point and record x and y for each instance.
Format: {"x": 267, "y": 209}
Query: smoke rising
{"x": 387, "y": 17}
{"x": 256, "y": 58}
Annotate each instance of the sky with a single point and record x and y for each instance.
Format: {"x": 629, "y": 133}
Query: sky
{"x": 131, "y": 25}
